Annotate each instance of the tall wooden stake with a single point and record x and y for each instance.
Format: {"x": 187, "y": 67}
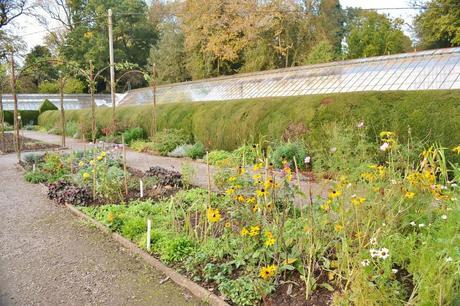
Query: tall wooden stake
{"x": 154, "y": 91}
{"x": 93, "y": 103}
{"x": 61, "y": 91}
{"x": 125, "y": 172}
{"x": 16, "y": 113}
{"x": 112, "y": 68}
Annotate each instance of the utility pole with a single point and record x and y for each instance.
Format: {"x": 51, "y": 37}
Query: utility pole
{"x": 16, "y": 113}
{"x": 154, "y": 91}
{"x": 112, "y": 68}
{"x": 93, "y": 104}
{"x": 61, "y": 91}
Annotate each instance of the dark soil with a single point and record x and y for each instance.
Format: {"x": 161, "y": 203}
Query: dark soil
{"x": 292, "y": 293}
{"x": 27, "y": 144}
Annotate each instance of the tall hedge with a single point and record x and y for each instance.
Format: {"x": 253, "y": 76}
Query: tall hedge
{"x": 27, "y": 117}
{"x": 433, "y": 116}
{"x": 46, "y": 106}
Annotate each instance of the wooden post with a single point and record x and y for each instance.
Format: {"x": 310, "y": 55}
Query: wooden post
{"x": 61, "y": 92}
{"x": 154, "y": 91}
{"x": 16, "y": 112}
{"x": 93, "y": 104}
{"x": 124, "y": 165}
{"x": 112, "y": 68}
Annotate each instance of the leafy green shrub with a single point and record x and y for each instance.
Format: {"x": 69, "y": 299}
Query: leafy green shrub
{"x": 36, "y": 177}
{"x": 287, "y": 152}
{"x": 242, "y": 291}
{"x": 221, "y": 158}
{"x": 46, "y": 106}
{"x": 196, "y": 151}
{"x": 245, "y": 153}
{"x": 133, "y": 134}
{"x": 180, "y": 151}
{"x": 71, "y": 129}
{"x": 133, "y": 227}
{"x": 167, "y": 140}
{"x": 176, "y": 249}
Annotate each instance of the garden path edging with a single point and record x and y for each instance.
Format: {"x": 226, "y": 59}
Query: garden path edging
{"x": 178, "y": 278}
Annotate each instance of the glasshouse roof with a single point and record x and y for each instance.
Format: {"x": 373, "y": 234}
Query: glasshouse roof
{"x": 433, "y": 69}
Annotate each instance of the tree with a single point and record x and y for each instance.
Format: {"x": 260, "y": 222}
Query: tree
{"x": 169, "y": 55}
{"x": 88, "y": 40}
{"x": 39, "y": 65}
{"x": 11, "y": 9}
{"x": 373, "y": 34}
{"x": 438, "y": 26}
{"x": 323, "y": 52}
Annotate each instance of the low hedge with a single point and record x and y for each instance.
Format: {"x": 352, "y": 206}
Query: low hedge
{"x": 431, "y": 116}
{"x": 27, "y": 117}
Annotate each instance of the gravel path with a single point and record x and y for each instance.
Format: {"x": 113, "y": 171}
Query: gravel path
{"x": 49, "y": 257}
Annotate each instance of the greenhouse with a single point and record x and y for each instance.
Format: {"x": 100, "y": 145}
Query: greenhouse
{"x": 425, "y": 70}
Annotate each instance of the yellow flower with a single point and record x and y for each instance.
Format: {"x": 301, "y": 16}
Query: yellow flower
{"x": 81, "y": 163}
{"x": 255, "y": 230}
{"x": 251, "y": 200}
{"x": 456, "y": 149}
{"x": 241, "y": 170}
{"x": 409, "y": 194}
{"x": 213, "y": 215}
{"x": 230, "y": 191}
{"x": 86, "y": 176}
{"x": 99, "y": 157}
{"x": 261, "y": 192}
{"x": 255, "y": 207}
{"x": 244, "y": 232}
{"x": 91, "y": 162}
{"x": 232, "y": 179}
{"x": 334, "y": 194}
{"x": 338, "y": 227}
{"x": 387, "y": 135}
{"x": 228, "y": 224}
{"x": 110, "y": 217}
{"x": 326, "y": 205}
{"x": 270, "y": 241}
{"x": 103, "y": 154}
{"x": 240, "y": 198}
{"x": 256, "y": 178}
{"x": 267, "y": 272}
{"x": 357, "y": 200}
{"x": 258, "y": 166}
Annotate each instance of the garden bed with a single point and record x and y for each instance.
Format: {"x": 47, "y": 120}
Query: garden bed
{"x": 27, "y": 144}
{"x": 387, "y": 231}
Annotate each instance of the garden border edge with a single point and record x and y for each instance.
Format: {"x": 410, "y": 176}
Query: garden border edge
{"x": 197, "y": 290}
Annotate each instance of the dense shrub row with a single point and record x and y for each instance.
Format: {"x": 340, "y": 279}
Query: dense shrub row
{"x": 28, "y": 117}
{"x": 430, "y": 116}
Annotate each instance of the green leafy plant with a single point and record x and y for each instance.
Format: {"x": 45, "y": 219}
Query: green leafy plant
{"x": 167, "y": 140}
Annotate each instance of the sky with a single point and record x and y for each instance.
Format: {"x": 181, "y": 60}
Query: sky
{"x": 33, "y": 33}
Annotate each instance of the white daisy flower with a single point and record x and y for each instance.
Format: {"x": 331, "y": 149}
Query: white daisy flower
{"x": 333, "y": 149}
{"x": 413, "y": 223}
{"x": 444, "y": 217}
{"x": 384, "y": 253}
{"x": 421, "y": 225}
{"x": 373, "y": 241}
{"x": 361, "y": 125}
{"x": 374, "y": 253}
{"x": 307, "y": 159}
{"x": 365, "y": 262}
{"x": 449, "y": 259}
{"x": 394, "y": 271}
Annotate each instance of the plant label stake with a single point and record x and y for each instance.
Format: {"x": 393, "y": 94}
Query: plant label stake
{"x": 33, "y": 168}
{"x": 149, "y": 231}
{"x": 141, "y": 187}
